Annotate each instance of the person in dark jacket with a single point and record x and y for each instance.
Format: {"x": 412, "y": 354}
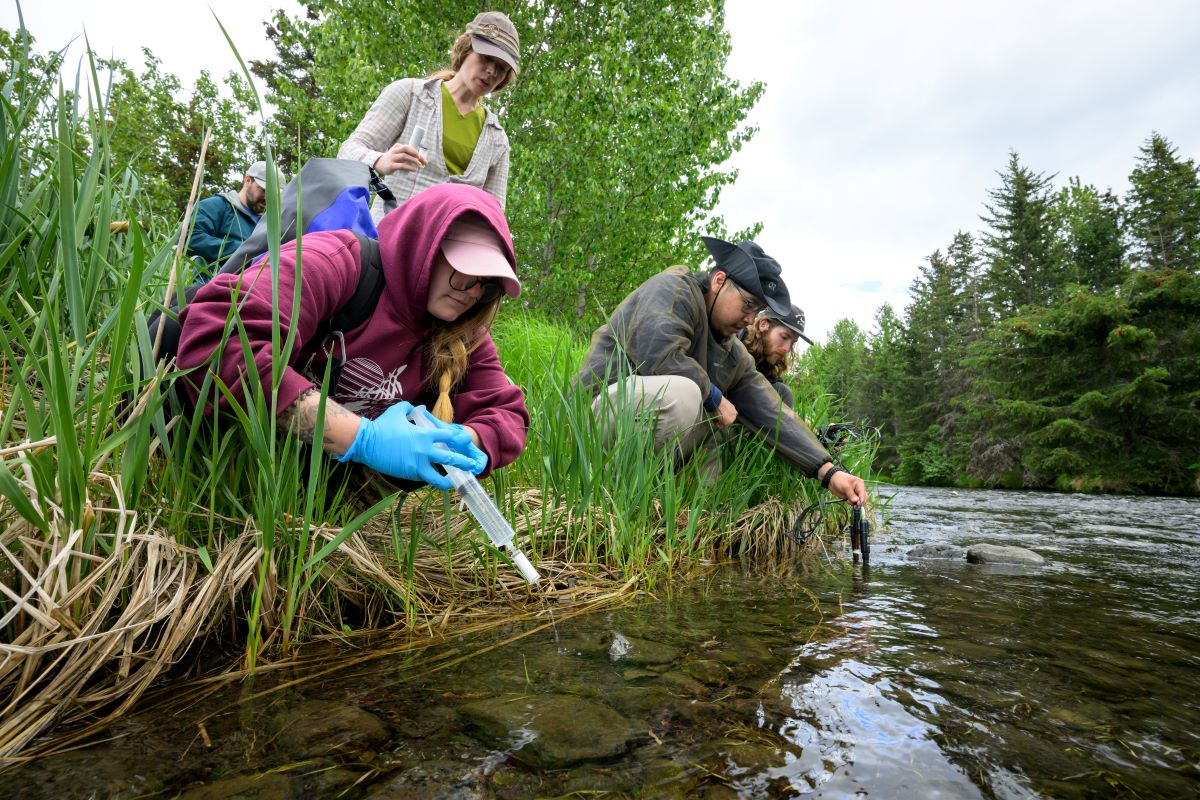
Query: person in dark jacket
{"x": 671, "y": 347}
{"x": 223, "y": 221}
{"x": 770, "y": 341}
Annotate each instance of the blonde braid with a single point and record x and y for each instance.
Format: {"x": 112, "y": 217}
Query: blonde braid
{"x": 450, "y": 349}
{"x": 455, "y": 356}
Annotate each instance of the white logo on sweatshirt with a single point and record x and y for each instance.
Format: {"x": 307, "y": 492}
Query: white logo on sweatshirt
{"x": 364, "y": 389}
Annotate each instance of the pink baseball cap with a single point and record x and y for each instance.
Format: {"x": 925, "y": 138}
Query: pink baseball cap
{"x": 473, "y": 248}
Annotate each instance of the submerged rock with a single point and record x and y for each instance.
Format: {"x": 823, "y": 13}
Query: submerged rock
{"x": 1043, "y": 527}
{"x": 640, "y": 652}
{"x": 940, "y": 551}
{"x": 437, "y": 779}
{"x": 1002, "y": 554}
{"x": 707, "y": 671}
{"x": 552, "y": 731}
{"x": 270, "y": 786}
{"x": 319, "y": 727}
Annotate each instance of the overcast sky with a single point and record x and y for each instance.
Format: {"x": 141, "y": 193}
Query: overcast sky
{"x": 883, "y": 122}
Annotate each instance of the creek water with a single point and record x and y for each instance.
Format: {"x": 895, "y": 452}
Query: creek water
{"x": 918, "y": 679}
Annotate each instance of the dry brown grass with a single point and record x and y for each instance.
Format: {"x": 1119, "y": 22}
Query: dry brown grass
{"x": 86, "y": 635}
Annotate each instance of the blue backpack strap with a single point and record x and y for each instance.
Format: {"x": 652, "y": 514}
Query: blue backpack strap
{"x": 357, "y": 310}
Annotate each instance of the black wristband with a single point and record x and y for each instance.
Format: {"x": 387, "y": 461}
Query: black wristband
{"x": 829, "y": 474}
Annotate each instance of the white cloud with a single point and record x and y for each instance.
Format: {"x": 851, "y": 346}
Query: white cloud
{"x": 884, "y": 124}
{"x": 184, "y": 35}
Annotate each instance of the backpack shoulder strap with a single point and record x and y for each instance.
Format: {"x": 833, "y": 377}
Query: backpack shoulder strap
{"x": 362, "y": 303}
{"x": 357, "y": 309}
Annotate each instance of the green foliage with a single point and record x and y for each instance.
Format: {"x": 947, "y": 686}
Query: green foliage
{"x": 1023, "y": 269}
{"x": 619, "y": 123}
{"x": 1041, "y": 359}
{"x": 1135, "y": 426}
{"x": 155, "y": 133}
{"x": 1091, "y": 237}
{"x": 1164, "y": 208}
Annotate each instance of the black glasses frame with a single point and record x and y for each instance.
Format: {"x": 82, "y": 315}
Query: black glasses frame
{"x": 750, "y": 303}
{"x": 491, "y": 286}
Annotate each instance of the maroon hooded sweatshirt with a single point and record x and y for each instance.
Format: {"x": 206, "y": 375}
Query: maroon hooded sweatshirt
{"x": 385, "y": 356}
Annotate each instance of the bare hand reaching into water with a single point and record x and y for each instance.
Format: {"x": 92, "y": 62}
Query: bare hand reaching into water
{"x": 400, "y": 158}
{"x": 845, "y": 485}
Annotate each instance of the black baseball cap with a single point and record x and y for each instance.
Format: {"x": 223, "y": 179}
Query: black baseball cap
{"x": 793, "y": 321}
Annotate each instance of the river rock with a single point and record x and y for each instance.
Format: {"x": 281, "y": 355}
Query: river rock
{"x": 941, "y": 551}
{"x": 319, "y": 727}
{"x": 557, "y": 730}
{"x": 680, "y": 681}
{"x": 707, "y": 671}
{"x": 270, "y": 786}
{"x": 1002, "y": 554}
{"x": 1042, "y": 527}
{"x": 640, "y": 652}
{"x": 436, "y": 779}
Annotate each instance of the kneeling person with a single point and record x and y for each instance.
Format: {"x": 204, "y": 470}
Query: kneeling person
{"x": 447, "y": 258}
{"x": 770, "y": 341}
{"x": 677, "y": 335}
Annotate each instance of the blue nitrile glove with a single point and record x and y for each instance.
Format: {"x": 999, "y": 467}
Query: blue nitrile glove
{"x": 463, "y": 444}
{"x": 396, "y": 447}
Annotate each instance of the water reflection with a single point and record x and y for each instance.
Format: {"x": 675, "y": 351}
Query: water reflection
{"x": 916, "y": 679}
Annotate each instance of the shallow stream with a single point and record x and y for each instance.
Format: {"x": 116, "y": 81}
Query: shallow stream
{"x": 919, "y": 679}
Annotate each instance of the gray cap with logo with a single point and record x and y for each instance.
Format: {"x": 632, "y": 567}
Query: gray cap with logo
{"x": 492, "y": 34}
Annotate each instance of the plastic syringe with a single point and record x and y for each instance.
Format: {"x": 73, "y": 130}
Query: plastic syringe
{"x": 480, "y": 505}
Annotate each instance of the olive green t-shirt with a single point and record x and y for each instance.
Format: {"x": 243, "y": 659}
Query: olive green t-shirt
{"x": 460, "y": 133}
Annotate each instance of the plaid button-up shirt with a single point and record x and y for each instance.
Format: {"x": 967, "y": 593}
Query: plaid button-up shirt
{"x": 400, "y": 108}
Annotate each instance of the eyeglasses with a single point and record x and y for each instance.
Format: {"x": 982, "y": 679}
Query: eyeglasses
{"x": 464, "y": 283}
{"x": 750, "y": 303}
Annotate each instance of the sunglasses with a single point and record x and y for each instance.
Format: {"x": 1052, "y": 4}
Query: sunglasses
{"x": 464, "y": 283}
{"x": 750, "y": 303}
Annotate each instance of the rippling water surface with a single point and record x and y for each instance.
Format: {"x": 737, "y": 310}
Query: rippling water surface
{"x": 921, "y": 679}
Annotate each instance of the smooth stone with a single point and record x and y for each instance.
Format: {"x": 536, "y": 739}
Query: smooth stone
{"x": 558, "y": 730}
{"x": 682, "y": 682}
{"x": 439, "y": 779}
{"x": 1002, "y": 554}
{"x": 640, "y": 652}
{"x": 644, "y": 701}
{"x": 635, "y": 673}
{"x": 1043, "y": 527}
{"x": 271, "y": 786}
{"x": 712, "y": 673}
{"x": 320, "y": 727}
{"x": 1070, "y": 718}
{"x": 947, "y": 551}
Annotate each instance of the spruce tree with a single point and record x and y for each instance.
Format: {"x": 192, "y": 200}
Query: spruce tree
{"x": 1093, "y": 246}
{"x": 1023, "y": 269}
{"x": 1164, "y": 208}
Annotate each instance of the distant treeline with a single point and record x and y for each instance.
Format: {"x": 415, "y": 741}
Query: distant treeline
{"x": 1058, "y": 348}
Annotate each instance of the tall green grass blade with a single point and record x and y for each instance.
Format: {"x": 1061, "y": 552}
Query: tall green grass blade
{"x": 12, "y": 490}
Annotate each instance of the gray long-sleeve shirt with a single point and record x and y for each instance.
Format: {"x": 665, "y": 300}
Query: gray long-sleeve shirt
{"x": 662, "y": 328}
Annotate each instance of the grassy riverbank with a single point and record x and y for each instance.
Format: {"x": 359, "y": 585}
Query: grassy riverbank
{"x": 131, "y": 532}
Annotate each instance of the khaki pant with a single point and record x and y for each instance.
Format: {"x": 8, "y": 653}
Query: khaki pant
{"x": 674, "y": 406}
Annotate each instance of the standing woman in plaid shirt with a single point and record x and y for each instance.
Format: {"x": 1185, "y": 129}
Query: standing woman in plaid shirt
{"x": 462, "y": 141}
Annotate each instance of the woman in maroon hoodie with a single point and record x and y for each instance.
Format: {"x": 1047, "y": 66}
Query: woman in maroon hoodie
{"x": 447, "y": 259}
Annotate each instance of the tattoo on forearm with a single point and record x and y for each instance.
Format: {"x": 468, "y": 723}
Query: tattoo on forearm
{"x": 334, "y": 410}
{"x": 302, "y": 418}
{"x": 302, "y": 415}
